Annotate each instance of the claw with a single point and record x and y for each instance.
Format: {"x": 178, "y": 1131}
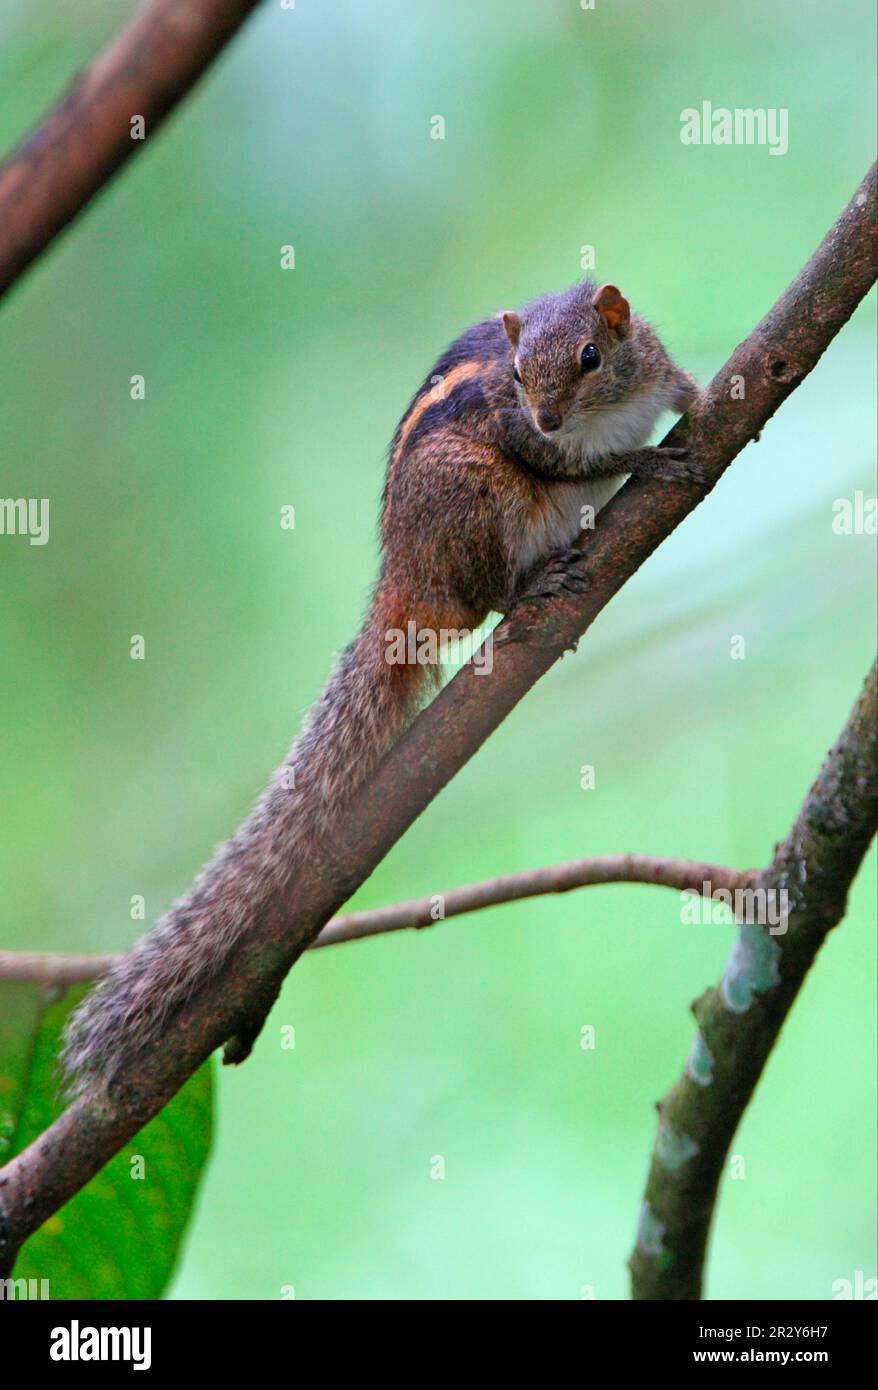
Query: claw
{"x": 562, "y": 574}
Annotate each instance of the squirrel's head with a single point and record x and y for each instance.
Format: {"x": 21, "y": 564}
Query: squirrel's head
{"x": 573, "y": 354}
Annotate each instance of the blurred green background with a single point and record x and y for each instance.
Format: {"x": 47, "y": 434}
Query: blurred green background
{"x": 267, "y": 387}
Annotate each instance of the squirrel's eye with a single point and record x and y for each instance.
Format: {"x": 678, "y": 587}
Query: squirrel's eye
{"x": 516, "y": 373}
{"x": 589, "y": 358}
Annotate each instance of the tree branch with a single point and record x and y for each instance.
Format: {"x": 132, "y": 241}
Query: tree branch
{"x": 739, "y": 1022}
{"x": 82, "y": 141}
{"x": 36, "y": 968}
{"x": 686, "y": 875}
{"x": 775, "y": 358}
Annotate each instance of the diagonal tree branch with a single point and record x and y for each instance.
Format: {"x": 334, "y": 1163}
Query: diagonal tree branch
{"x": 739, "y": 1022}
{"x": 82, "y": 141}
{"x": 686, "y": 875}
{"x": 772, "y": 361}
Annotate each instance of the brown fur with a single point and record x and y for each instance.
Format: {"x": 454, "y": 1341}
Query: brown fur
{"x": 476, "y": 495}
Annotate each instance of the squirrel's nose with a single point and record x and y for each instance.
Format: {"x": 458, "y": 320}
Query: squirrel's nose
{"x": 549, "y": 421}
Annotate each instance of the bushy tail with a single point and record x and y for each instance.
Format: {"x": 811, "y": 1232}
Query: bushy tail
{"x": 360, "y": 714}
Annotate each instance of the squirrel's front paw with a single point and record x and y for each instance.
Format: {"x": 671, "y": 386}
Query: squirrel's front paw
{"x": 672, "y": 465}
{"x": 562, "y": 573}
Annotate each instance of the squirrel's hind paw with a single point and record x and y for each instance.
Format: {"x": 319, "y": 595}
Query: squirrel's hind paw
{"x": 562, "y": 573}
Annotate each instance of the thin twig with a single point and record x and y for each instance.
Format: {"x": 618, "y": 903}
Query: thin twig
{"x": 33, "y": 967}
{"x": 686, "y": 875}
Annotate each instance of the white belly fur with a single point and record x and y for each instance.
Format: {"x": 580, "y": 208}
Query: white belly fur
{"x": 615, "y": 431}
{"x": 561, "y": 518}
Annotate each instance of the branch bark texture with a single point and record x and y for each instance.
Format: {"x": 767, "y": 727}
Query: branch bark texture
{"x": 739, "y": 1021}
{"x": 772, "y": 361}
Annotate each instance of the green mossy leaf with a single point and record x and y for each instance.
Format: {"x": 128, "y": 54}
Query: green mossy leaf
{"x": 119, "y": 1238}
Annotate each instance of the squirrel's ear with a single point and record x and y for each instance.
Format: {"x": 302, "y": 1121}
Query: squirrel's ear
{"x": 512, "y": 324}
{"x": 614, "y": 310}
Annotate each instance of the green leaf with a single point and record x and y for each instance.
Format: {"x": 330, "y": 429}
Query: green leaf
{"x": 118, "y": 1238}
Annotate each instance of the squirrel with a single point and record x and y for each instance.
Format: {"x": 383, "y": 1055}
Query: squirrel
{"x": 525, "y": 419}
